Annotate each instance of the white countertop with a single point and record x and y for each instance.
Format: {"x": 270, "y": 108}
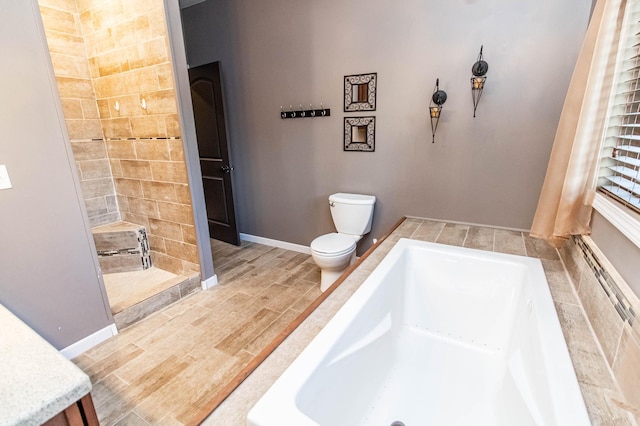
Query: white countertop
{"x": 36, "y": 381}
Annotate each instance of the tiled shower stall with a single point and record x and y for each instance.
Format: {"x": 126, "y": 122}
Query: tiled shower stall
{"x": 113, "y": 69}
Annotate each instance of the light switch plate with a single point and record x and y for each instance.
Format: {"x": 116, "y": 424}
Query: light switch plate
{"x": 5, "y": 182}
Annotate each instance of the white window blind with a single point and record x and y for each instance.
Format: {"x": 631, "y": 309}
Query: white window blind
{"x": 619, "y": 172}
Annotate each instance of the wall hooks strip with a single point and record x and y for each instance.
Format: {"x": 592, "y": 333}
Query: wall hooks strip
{"x": 304, "y": 113}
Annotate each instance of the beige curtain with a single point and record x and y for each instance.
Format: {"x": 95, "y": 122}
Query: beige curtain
{"x": 564, "y": 207}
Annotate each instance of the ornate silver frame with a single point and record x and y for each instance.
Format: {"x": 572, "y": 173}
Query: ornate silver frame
{"x": 367, "y": 145}
{"x": 350, "y": 81}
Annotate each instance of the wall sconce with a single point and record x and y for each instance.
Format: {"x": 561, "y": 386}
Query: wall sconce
{"x": 438, "y": 98}
{"x": 479, "y": 69}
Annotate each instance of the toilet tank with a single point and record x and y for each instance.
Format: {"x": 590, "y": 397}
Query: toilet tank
{"x": 352, "y": 213}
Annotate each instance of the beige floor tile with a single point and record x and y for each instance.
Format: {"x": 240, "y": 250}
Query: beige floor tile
{"x": 113, "y": 361}
{"x": 271, "y": 332}
{"x": 247, "y": 331}
{"x": 132, "y": 419}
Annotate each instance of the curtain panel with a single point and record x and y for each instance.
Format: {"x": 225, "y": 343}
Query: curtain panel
{"x": 564, "y": 206}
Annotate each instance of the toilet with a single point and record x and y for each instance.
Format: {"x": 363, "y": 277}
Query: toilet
{"x": 333, "y": 253}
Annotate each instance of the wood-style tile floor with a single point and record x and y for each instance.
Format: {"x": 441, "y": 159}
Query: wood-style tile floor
{"x": 163, "y": 369}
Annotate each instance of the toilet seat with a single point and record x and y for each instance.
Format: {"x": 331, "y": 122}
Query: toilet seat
{"x": 333, "y": 244}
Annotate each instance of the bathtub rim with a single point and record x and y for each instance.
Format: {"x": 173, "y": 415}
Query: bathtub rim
{"x": 568, "y": 403}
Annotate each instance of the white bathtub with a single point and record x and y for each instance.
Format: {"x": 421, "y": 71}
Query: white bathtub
{"x": 436, "y": 335}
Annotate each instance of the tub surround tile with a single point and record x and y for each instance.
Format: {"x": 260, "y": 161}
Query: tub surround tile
{"x": 509, "y": 242}
{"x": 605, "y": 320}
{"x": 559, "y": 283}
{"x": 428, "y": 231}
{"x": 540, "y": 249}
{"x": 627, "y": 368}
{"x": 601, "y": 408}
{"x": 480, "y": 238}
{"x": 453, "y": 234}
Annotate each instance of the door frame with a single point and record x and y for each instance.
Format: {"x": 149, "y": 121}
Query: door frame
{"x": 189, "y": 141}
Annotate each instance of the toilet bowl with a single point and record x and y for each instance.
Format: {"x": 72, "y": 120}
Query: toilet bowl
{"x": 334, "y": 252}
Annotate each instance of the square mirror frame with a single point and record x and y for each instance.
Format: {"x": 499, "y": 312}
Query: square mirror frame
{"x": 352, "y": 122}
{"x": 351, "y": 83}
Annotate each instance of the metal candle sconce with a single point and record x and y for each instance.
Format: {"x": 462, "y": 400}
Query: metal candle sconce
{"x": 479, "y": 69}
{"x": 438, "y": 98}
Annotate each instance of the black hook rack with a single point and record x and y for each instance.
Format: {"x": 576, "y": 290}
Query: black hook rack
{"x": 305, "y": 113}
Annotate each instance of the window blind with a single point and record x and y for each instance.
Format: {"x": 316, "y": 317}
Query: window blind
{"x": 619, "y": 173}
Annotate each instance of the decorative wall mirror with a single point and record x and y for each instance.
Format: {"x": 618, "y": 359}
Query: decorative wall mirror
{"x": 360, "y": 92}
{"x": 360, "y": 134}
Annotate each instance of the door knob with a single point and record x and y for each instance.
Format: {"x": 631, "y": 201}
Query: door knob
{"x": 226, "y": 169}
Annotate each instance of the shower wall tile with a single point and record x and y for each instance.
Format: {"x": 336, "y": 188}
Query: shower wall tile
{"x": 63, "y": 43}
{"x": 117, "y": 128}
{"x": 72, "y": 108}
{"x": 96, "y": 206}
{"x": 189, "y": 234}
{"x": 148, "y": 127}
{"x": 89, "y": 109}
{"x": 70, "y": 66}
{"x": 87, "y": 150}
{"x": 180, "y": 213}
{"x": 116, "y": 52}
{"x": 157, "y": 244}
{"x": 129, "y": 187}
{"x": 65, "y": 5}
{"x": 81, "y": 129}
{"x": 73, "y": 76}
{"x": 165, "y": 229}
{"x": 58, "y": 20}
{"x": 136, "y": 169}
{"x": 160, "y": 191}
{"x": 176, "y": 150}
{"x": 121, "y": 150}
{"x": 144, "y": 207}
{"x": 182, "y": 250}
{"x": 97, "y": 187}
{"x": 79, "y": 88}
{"x": 152, "y": 149}
{"x": 182, "y": 193}
{"x": 94, "y": 169}
{"x": 169, "y": 172}
{"x": 165, "y": 76}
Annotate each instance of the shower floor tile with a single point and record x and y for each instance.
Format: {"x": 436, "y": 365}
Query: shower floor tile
{"x": 126, "y": 289}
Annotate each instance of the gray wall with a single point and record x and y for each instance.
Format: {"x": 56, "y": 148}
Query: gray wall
{"x": 48, "y": 269}
{"x": 487, "y": 170}
{"x": 622, "y": 253}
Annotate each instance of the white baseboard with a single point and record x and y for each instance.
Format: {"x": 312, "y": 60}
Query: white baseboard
{"x": 88, "y": 342}
{"x": 275, "y": 243}
{"x": 209, "y": 282}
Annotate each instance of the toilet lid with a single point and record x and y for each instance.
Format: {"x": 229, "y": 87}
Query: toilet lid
{"x": 333, "y": 243}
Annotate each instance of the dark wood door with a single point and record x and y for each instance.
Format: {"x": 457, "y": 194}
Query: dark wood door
{"x": 211, "y": 132}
